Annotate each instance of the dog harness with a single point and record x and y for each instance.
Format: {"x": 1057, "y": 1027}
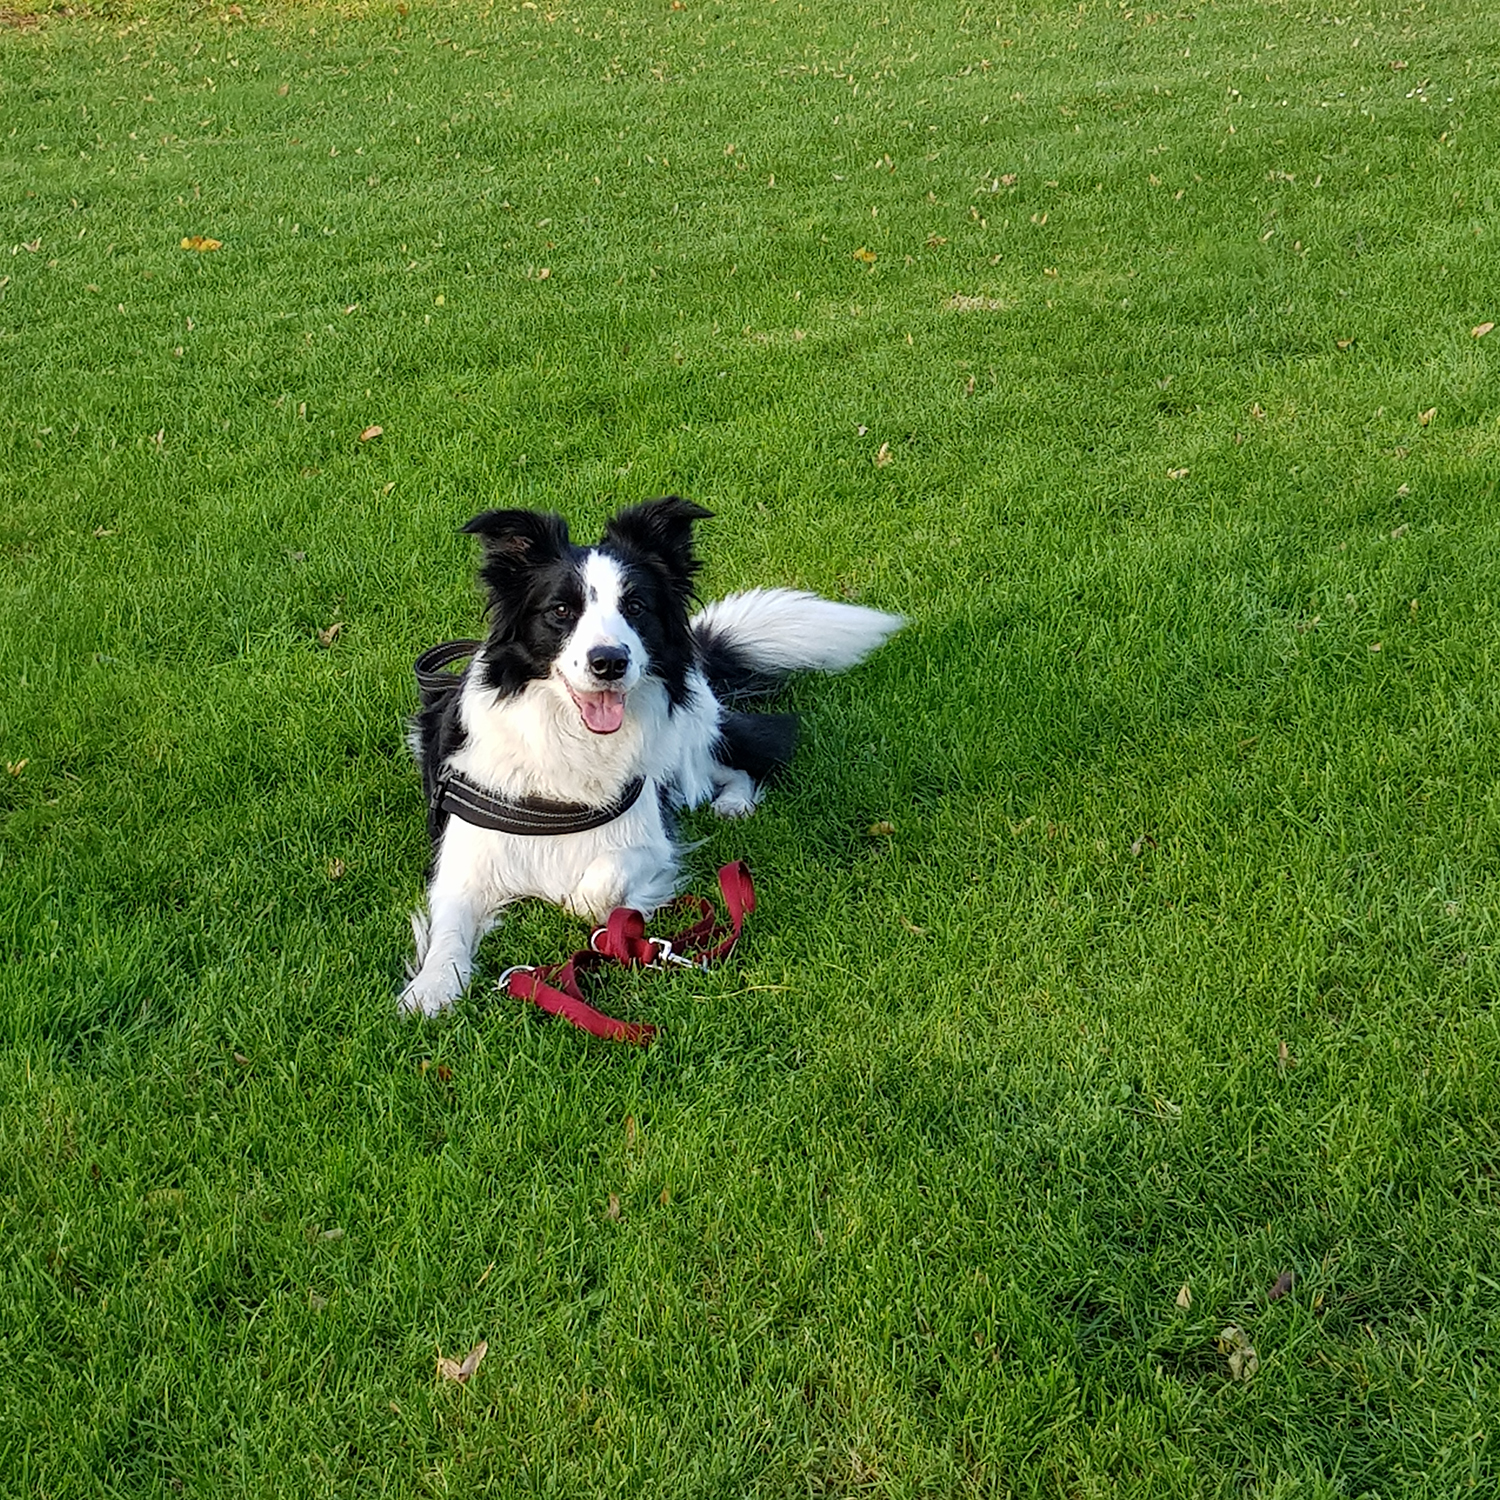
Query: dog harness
{"x": 456, "y": 794}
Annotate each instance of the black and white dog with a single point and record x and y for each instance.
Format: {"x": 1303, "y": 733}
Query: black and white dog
{"x": 598, "y": 704}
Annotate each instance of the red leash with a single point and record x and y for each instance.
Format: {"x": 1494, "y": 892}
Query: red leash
{"x": 623, "y": 940}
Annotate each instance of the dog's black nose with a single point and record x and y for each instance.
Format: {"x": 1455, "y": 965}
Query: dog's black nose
{"x": 608, "y": 662}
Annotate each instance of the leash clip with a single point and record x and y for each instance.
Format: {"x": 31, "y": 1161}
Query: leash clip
{"x": 664, "y": 952}
{"x": 503, "y": 982}
{"x": 666, "y": 955}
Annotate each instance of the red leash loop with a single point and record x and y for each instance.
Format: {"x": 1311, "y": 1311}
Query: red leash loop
{"x": 623, "y": 940}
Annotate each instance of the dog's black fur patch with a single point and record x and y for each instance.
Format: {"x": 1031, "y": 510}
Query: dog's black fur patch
{"x": 758, "y": 744}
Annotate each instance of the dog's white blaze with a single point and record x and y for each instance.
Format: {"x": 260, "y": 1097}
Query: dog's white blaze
{"x": 602, "y": 623}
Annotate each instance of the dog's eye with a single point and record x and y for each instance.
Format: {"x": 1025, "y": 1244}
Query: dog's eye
{"x": 563, "y": 612}
{"x": 632, "y": 608}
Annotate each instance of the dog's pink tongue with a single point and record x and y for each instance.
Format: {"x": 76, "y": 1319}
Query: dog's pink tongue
{"x": 602, "y": 712}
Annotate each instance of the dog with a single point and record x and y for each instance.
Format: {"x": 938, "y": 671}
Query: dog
{"x": 599, "y": 704}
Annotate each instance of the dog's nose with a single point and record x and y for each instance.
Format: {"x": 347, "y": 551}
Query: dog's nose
{"x": 608, "y": 663}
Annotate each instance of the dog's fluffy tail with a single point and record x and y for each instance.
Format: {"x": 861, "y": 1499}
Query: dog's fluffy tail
{"x": 750, "y": 643}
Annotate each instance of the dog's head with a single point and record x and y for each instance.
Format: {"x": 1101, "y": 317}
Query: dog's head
{"x": 597, "y": 619}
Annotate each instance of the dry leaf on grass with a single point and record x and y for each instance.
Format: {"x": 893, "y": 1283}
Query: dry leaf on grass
{"x": 462, "y": 1371}
{"x": 1234, "y": 1344}
{"x": 1177, "y": 473}
{"x": 1281, "y": 1286}
{"x": 884, "y": 456}
{"x": 1284, "y": 1058}
{"x": 1480, "y": 330}
{"x": 329, "y": 636}
{"x": 867, "y": 257}
{"x": 1425, "y": 417}
{"x": 200, "y": 243}
{"x": 612, "y": 1208}
{"x": 881, "y": 830}
{"x": 1184, "y": 1297}
{"x": 370, "y": 432}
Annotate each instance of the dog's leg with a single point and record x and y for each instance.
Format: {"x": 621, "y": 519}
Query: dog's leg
{"x": 460, "y": 912}
{"x": 736, "y": 794}
{"x": 751, "y": 749}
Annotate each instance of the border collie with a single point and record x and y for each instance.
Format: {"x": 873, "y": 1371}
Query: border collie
{"x": 599, "y": 702}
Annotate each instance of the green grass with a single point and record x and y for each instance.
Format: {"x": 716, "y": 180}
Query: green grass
{"x": 1181, "y": 769}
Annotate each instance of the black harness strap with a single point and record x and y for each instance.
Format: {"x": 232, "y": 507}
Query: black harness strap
{"x": 529, "y": 816}
{"x": 456, "y": 794}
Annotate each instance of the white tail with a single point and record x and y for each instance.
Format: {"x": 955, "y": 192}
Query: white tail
{"x": 786, "y": 630}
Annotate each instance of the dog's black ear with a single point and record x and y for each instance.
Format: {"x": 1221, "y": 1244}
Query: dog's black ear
{"x": 661, "y": 529}
{"x": 526, "y": 536}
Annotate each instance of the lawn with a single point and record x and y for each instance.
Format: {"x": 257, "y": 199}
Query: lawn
{"x": 1125, "y": 966}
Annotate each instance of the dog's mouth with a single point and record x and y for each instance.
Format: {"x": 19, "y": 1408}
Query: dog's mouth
{"x": 603, "y": 713}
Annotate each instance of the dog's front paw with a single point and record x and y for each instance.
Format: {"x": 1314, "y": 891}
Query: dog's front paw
{"x": 429, "y": 995}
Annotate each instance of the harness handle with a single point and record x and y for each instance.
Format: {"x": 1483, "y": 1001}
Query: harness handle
{"x": 434, "y": 681}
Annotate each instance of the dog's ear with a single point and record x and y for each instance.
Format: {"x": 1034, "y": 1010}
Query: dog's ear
{"x": 523, "y": 536}
{"x": 516, "y": 544}
{"x": 663, "y": 530}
